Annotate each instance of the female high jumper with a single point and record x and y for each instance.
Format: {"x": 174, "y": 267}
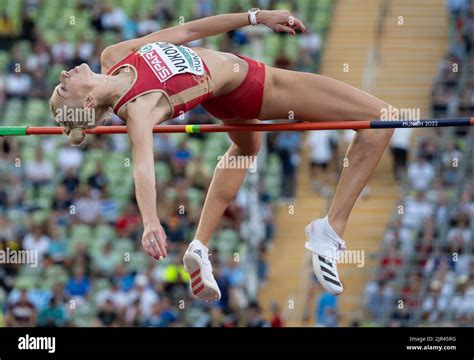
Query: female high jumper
{"x": 149, "y": 80}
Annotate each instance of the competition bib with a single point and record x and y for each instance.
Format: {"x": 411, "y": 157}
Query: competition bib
{"x": 167, "y": 60}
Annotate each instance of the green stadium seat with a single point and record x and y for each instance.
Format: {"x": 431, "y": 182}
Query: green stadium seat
{"x": 138, "y": 261}
{"x": 53, "y": 75}
{"x": 81, "y": 233}
{"x": 122, "y": 246}
{"x": 195, "y": 197}
{"x": 105, "y": 232}
{"x": 40, "y": 216}
{"x": 84, "y": 315}
{"x": 25, "y": 282}
{"x": 226, "y": 242}
{"x": 4, "y": 59}
{"x": 163, "y": 171}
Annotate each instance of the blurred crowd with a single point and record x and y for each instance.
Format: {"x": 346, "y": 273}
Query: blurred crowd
{"x": 425, "y": 273}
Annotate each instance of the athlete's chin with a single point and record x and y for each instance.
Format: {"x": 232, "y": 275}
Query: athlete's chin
{"x": 84, "y": 69}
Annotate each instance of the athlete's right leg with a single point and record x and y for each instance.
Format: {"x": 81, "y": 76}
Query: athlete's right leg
{"x": 225, "y": 184}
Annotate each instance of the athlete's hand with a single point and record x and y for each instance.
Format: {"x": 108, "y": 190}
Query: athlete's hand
{"x": 154, "y": 241}
{"x": 280, "y": 21}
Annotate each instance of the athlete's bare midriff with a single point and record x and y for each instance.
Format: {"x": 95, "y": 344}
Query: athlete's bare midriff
{"x": 227, "y": 70}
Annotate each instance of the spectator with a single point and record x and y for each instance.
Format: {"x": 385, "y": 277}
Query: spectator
{"x": 311, "y": 43}
{"x": 98, "y": 180}
{"x": 79, "y": 284}
{"x": 287, "y": 146}
{"x": 39, "y": 86}
{"x": 87, "y": 206}
{"x": 434, "y": 306}
{"x": 400, "y": 147}
{"x": 147, "y": 25}
{"x": 3, "y": 94}
{"x": 109, "y": 207}
{"x": 130, "y": 27}
{"x": 276, "y": 317}
{"x": 28, "y": 28}
{"x": 416, "y": 210}
{"x": 180, "y": 160}
{"x": 461, "y": 230}
{"x": 18, "y": 85}
{"x": 106, "y": 260}
{"x": 57, "y": 246}
{"x": 69, "y": 158}
{"x": 71, "y": 181}
{"x": 115, "y": 295}
{"x": 320, "y": 144}
{"x": 420, "y": 174}
{"x": 468, "y": 29}
{"x": 62, "y": 199}
{"x": 254, "y": 316}
{"x": 378, "y": 300}
{"x": 411, "y": 291}
{"x": 38, "y": 241}
{"x": 7, "y": 31}
{"x": 39, "y": 171}
{"x": 143, "y": 297}
{"x": 262, "y": 264}
{"x": 39, "y": 59}
{"x": 21, "y": 313}
{"x": 451, "y": 159}
{"x": 84, "y": 49}
{"x": 54, "y": 315}
{"x": 96, "y": 17}
{"x": 175, "y": 232}
{"x": 326, "y": 312}
{"x": 457, "y": 7}
{"x": 217, "y": 318}
{"x": 391, "y": 262}
{"x": 62, "y": 50}
{"x": 113, "y": 18}
{"x": 199, "y": 173}
{"x": 163, "y": 314}
{"x": 129, "y": 222}
{"x": 458, "y": 48}
{"x": 108, "y": 315}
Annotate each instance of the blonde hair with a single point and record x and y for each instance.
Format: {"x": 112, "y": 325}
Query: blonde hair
{"x": 75, "y": 128}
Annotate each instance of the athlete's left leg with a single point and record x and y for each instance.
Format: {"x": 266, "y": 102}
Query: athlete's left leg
{"x": 312, "y": 98}
{"x": 309, "y": 97}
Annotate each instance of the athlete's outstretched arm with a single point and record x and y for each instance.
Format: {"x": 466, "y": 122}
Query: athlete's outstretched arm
{"x": 139, "y": 126}
{"x": 278, "y": 20}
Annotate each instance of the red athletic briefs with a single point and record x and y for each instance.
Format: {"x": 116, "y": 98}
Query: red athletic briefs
{"x": 245, "y": 102}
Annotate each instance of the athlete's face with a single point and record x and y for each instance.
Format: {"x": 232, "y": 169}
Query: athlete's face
{"x": 74, "y": 86}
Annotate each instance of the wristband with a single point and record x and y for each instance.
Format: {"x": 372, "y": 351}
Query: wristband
{"x": 253, "y": 16}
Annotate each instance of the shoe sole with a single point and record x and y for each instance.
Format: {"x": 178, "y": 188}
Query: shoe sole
{"x": 205, "y": 291}
{"x": 317, "y": 270}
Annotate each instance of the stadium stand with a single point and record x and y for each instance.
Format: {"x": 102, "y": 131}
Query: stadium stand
{"x": 425, "y": 274}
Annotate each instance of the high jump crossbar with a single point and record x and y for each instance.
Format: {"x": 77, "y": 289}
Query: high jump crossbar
{"x": 297, "y": 126}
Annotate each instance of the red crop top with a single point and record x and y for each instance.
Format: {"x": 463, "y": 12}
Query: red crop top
{"x": 157, "y": 66}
